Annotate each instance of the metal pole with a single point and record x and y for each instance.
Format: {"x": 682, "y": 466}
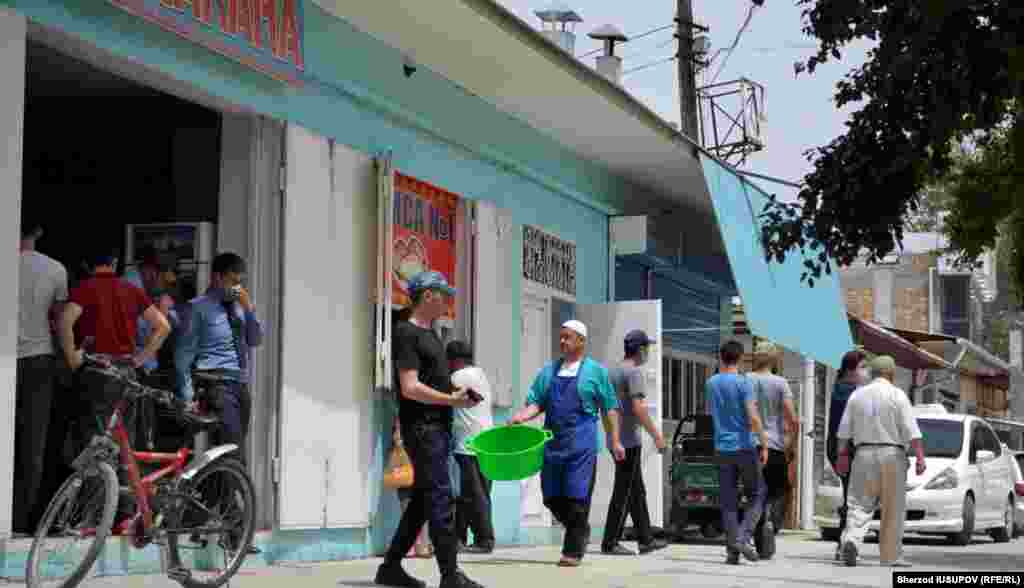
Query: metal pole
{"x": 807, "y": 453}
{"x": 687, "y": 75}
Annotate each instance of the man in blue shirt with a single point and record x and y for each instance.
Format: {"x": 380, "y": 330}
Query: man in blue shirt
{"x": 217, "y": 330}
{"x": 572, "y": 391}
{"x": 736, "y": 416}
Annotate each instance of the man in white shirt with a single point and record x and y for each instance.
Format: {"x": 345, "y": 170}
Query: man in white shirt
{"x": 879, "y": 420}
{"x": 473, "y": 507}
{"x": 42, "y": 285}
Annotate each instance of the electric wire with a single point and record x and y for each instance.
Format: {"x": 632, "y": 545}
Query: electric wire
{"x": 634, "y": 38}
{"x": 650, "y": 64}
{"x": 735, "y": 42}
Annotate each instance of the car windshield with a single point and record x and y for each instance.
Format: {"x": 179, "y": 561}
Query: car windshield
{"x": 942, "y": 438}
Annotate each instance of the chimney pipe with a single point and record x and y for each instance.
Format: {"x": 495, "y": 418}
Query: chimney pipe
{"x": 558, "y": 23}
{"x": 608, "y": 64}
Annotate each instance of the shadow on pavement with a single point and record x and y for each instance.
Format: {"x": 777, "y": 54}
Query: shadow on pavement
{"x": 762, "y": 577}
{"x": 507, "y": 562}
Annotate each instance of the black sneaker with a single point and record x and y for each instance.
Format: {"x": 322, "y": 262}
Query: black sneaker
{"x": 654, "y": 545}
{"x": 617, "y": 549}
{"x": 732, "y": 558}
{"x": 476, "y": 548}
{"x": 766, "y": 543}
{"x": 849, "y": 553}
{"x": 747, "y": 550}
{"x": 394, "y": 575}
{"x": 458, "y": 580}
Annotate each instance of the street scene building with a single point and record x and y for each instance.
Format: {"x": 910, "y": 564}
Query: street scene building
{"x": 342, "y": 148}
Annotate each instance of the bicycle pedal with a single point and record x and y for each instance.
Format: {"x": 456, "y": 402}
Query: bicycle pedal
{"x": 179, "y": 574}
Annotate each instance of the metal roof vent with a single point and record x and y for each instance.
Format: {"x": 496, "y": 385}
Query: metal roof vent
{"x": 558, "y": 24}
{"x": 608, "y": 64}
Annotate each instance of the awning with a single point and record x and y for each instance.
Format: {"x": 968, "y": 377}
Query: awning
{"x": 778, "y": 306}
{"x": 881, "y": 341}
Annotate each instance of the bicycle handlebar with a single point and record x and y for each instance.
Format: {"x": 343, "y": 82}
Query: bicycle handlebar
{"x": 101, "y": 365}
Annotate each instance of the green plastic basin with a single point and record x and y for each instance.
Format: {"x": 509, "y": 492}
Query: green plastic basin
{"x": 506, "y": 453}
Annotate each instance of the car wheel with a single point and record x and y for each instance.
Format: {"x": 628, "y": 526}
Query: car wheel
{"x": 964, "y": 536}
{"x": 830, "y": 533}
{"x": 711, "y": 530}
{"x": 1005, "y": 533}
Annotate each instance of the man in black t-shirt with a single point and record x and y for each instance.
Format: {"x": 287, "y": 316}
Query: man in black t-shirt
{"x": 426, "y": 399}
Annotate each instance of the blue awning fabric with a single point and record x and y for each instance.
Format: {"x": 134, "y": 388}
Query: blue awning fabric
{"x": 779, "y": 307}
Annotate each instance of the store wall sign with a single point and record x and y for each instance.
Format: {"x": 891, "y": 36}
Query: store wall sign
{"x": 424, "y": 235}
{"x": 264, "y": 35}
{"x": 549, "y": 261}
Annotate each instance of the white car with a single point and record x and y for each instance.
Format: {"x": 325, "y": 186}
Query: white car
{"x": 967, "y": 489}
{"x": 1018, "y": 488}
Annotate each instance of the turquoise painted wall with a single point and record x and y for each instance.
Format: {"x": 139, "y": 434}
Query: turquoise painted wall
{"x": 356, "y": 93}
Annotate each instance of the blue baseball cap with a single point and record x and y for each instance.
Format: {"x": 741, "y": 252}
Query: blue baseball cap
{"x": 424, "y": 281}
{"x": 637, "y": 339}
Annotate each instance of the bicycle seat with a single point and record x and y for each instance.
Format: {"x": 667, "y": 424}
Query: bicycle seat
{"x": 201, "y": 422}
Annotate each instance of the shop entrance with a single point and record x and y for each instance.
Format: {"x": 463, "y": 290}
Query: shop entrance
{"x": 108, "y": 156}
{"x": 102, "y": 152}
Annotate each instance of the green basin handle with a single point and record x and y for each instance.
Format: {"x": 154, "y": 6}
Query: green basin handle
{"x": 548, "y": 435}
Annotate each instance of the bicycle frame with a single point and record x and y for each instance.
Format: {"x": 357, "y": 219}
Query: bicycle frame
{"x": 144, "y": 488}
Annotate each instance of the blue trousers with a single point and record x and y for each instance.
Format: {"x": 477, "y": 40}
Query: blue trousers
{"x": 733, "y": 467}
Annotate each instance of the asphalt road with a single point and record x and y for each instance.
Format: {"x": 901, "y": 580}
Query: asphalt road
{"x": 802, "y": 560}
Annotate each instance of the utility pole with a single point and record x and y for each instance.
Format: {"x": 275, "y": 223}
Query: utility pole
{"x": 687, "y": 70}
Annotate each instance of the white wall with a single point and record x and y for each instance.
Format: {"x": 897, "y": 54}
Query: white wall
{"x": 326, "y": 411}
{"x": 12, "y": 109}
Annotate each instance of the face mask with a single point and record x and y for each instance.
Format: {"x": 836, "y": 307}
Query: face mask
{"x": 232, "y": 294}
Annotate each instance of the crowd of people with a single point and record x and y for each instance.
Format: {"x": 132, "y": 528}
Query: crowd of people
{"x": 143, "y": 327}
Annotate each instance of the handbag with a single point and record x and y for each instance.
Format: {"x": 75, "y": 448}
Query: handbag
{"x": 399, "y": 473}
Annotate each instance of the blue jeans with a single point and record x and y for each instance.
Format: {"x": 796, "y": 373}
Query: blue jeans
{"x": 732, "y": 468}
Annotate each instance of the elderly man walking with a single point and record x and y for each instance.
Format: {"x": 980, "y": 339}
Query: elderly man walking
{"x": 572, "y": 391}
{"x": 878, "y": 419}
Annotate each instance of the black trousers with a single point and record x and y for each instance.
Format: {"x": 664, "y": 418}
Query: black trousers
{"x": 429, "y": 447}
{"x": 35, "y": 383}
{"x": 574, "y": 515}
{"x": 776, "y": 479}
{"x": 473, "y": 507}
{"x": 629, "y": 497}
{"x": 232, "y": 402}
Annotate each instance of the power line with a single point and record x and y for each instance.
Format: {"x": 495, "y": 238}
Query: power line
{"x": 736, "y": 41}
{"x": 650, "y": 65}
{"x": 640, "y": 36}
{"x": 633, "y": 54}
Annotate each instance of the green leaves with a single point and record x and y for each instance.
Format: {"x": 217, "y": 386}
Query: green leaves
{"x": 942, "y": 72}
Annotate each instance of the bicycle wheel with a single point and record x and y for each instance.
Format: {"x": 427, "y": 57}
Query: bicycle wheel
{"x": 83, "y": 509}
{"x": 215, "y": 526}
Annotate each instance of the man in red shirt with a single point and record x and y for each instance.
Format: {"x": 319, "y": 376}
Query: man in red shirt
{"x": 106, "y": 309}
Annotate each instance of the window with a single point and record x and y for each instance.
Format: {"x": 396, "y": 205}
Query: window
{"x": 989, "y": 441}
{"x": 682, "y": 389}
{"x": 942, "y": 438}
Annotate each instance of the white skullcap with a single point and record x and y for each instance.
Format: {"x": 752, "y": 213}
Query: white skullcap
{"x": 576, "y": 326}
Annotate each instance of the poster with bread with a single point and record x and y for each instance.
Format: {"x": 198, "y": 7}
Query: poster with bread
{"x": 424, "y": 236}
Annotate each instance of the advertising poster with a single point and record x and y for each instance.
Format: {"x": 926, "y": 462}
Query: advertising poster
{"x": 424, "y": 236}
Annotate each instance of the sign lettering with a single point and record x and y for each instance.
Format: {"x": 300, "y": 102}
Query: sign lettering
{"x": 264, "y": 35}
{"x": 549, "y": 261}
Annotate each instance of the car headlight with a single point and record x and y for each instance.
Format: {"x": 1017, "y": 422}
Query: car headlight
{"x": 830, "y": 478}
{"x": 946, "y": 480}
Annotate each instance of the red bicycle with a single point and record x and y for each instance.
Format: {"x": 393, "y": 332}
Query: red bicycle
{"x": 179, "y": 506}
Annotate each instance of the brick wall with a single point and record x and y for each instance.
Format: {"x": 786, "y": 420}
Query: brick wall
{"x": 861, "y": 302}
{"x": 910, "y": 309}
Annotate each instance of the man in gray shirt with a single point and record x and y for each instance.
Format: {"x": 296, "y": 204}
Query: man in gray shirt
{"x": 42, "y": 284}
{"x": 775, "y": 400}
{"x": 629, "y": 495}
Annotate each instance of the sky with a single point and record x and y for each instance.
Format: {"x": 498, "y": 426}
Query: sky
{"x": 800, "y": 112}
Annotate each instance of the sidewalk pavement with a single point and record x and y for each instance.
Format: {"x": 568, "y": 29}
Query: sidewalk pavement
{"x": 802, "y": 560}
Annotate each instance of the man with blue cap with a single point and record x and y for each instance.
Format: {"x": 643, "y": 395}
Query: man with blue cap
{"x": 571, "y": 392}
{"x": 426, "y": 399}
{"x": 629, "y": 496}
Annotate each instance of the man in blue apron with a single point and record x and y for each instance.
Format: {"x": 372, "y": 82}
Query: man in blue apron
{"x": 572, "y": 392}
